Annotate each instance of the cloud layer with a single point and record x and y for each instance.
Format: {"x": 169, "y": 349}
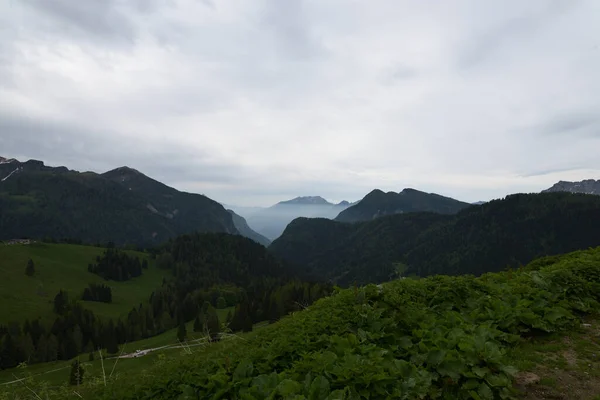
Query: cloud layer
{"x": 254, "y": 102}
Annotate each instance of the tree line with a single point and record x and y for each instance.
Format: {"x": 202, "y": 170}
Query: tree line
{"x": 117, "y": 265}
{"x": 208, "y": 271}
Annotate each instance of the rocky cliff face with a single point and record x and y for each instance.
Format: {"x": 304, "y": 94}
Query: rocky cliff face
{"x": 588, "y": 186}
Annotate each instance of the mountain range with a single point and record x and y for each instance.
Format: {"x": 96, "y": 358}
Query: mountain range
{"x": 378, "y": 204}
{"x": 588, "y": 186}
{"x": 489, "y": 237}
{"x": 271, "y": 221}
{"x": 122, "y": 205}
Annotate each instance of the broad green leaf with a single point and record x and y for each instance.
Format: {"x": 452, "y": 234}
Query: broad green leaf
{"x": 480, "y": 371}
{"x": 451, "y": 368}
{"x": 319, "y": 389}
{"x": 435, "y": 357}
{"x": 485, "y": 392}
{"x": 509, "y": 370}
{"x": 243, "y": 370}
{"x": 288, "y": 387}
{"x": 474, "y": 395}
{"x": 498, "y": 380}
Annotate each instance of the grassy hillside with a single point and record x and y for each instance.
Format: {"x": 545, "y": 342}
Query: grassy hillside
{"x": 490, "y": 237}
{"x": 64, "y": 266}
{"x": 57, "y": 373}
{"x": 438, "y": 337}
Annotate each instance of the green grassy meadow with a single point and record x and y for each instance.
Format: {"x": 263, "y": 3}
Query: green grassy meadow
{"x": 64, "y": 266}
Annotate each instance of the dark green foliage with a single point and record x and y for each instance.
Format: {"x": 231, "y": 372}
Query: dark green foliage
{"x": 352, "y": 253}
{"x": 479, "y": 239}
{"x": 213, "y": 325}
{"x": 378, "y": 204}
{"x": 116, "y": 265}
{"x": 96, "y": 292}
{"x": 434, "y": 338}
{"x": 123, "y": 206}
{"x": 199, "y": 323}
{"x": 165, "y": 261}
{"x": 91, "y": 356}
{"x": 76, "y": 375}
{"x": 207, "y": 269}
{"x": 181, "y": 332}
{"x": 221, "y": 303}
{"x": 9, "y": 352}
{"x": 30, "y": 268}
{"x": 61, "y": 301}
{"x": 111, "y": 340}
{"x": 241, "y": 319}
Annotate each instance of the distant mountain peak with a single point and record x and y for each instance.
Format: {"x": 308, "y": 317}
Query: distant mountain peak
{"x": 586, "y": 186}
{"x": 7, "y": 160}
{"x": 126, "y": 170}
{"x": 378, "y": 203}
{"x": 309, "y": 200}
{"x": 343, "y": 203}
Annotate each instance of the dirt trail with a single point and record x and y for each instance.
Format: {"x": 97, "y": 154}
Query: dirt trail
{"x": 567, "y": 369}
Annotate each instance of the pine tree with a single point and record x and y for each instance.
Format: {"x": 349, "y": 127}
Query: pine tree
{"x": 61, "y": 300}
{"x": 78, "y": 338}
{"x": 41, "y": 353}
{"x": 77, "y": 371}
{"x": 8, "y": 352}
{"x": 212, "y": 323}
{"x": 27, "y": 347}
{"x": 110, "y": 337}
{"x": 30, "y": 269}
{"x": 181, "y": 332}
{"x": 221, "y": 303}
{"x": 198, "y": 323}
{"x": 52, "y": 354}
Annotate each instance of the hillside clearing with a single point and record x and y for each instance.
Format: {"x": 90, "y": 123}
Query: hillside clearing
{"x": 64, "y": 266}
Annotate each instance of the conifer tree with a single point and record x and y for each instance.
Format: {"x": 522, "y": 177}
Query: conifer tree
{"x": 212, "y": 323}
{"x": 198, "y": 323}
{"x": 76, "y": 375}
{"x": 181, "y": 332}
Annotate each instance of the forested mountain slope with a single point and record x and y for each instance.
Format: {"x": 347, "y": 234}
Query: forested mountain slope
{"x": 378, "y": 204}
{"x": 122, "y": 206}
{"x": 242, "y": 226}
{"x": 490, "y": 237}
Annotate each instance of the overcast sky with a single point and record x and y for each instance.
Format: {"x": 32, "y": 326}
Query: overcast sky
{"x": 252, "y": 102}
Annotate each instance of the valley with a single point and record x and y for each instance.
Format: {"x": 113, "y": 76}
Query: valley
{"x": 299, "y": 200}
{"x": 398, "y": 284}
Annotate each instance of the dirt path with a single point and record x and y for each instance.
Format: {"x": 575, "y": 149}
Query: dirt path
{"x": 566, "y": 368}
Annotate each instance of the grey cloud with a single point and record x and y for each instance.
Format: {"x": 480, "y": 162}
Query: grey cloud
{"x": 549, "y": 171}
{"x": 578, "y": 123}
{"x": 270, "y": 100}
{"x": 291, "y": 30}
{"x": 482, "y": 45}
{"x": 85, "y": 148}
{"x": 101, "y": 19}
